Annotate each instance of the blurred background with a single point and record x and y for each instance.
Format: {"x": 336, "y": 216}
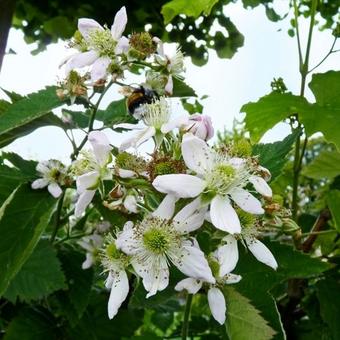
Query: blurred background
{"x": 232, "y": 55}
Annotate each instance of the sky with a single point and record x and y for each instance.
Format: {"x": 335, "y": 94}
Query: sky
{"x": 268, "y": 52}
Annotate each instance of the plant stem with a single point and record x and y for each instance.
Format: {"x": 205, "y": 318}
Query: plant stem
{"x": 185, "y": 326}
{"x": 57, "y": 217}
{"x": 91, "y": 121}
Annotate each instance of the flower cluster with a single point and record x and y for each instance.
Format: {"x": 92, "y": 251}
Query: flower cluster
{"x": 167, "y": 197}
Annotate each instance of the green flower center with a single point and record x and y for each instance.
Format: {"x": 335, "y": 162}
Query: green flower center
{"x": 214, "y": 266}
{"x": 247, "y": 220}
{"x": 102, "y": 42}
{"x": 156, "y": 240}
{"x": 112, "y": 252}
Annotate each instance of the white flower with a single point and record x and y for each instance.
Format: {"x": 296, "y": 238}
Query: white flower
{"x": 91, "y": 244}
{"x": 53, "y": 174}
{"x": 223, "y": 276}
{"x": 103, "y": 45}
{"x": 230, "y": 251}
{"x": 159, "y": 240}
{"x": 155, "y": 117}
{"x": 174, "y": 64}
{"x": 218, "y": 180}
{"x": 128, "y": 201}
{"x": 95, "y": 170}
{"x": 117, "y": 280}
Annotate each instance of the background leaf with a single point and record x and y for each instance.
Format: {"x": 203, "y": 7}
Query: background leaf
{"x": 40, "y": 275}
{"x": 24, "y": 216}
{"x": 333, "y": 202}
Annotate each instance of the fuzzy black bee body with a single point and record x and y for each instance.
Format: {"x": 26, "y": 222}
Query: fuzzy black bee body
{"x": 139, "y": 97}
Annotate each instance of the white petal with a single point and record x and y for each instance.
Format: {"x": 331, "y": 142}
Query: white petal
{"x": 130, "y": 204}
{"x": 169, "y": 85}
{"x": 223, "y": 216}
{"x": 83, "y": 201}
{"x": 232, "y": 278}
{"x": 180, "y": 185}
{"x": 42, "y": 167}
{"x": 175, "y": 123}
{"x": 237, "y": 162}
{"x": 188, "y": 210}
{"x": 109, "y": 281}
{"x": 122, "y": 46}
{"x": 227, "y": 255}
{"x": 54, "y": 189}
{"x": 166, "y": 208}
{"x": 217, "y": 305}
{"x": 138, "y": 138}
{"x": 124, "y": 173}
{"x": 261, "y": 186}
{"x": 39, "y": 183}
{"x": 101, "y": 146}
{"x": 119, "y": 292}
{"x": 246, "y": 201}
{"x": 119, "y": 23}
{"x": 87, "y": 181}
{"x": 196, "y": 154}
{"x": 81, "y": 60}
{"x": 192, "y": 286}
{"x": 192, "y": 262}
{"x": 129, "y": 126}
{"x": 261, "y": 252}
{"x": 88, "y": 261}
{"x": 86, "y": 26}
{"x": 99, "y": 69}
{"x": 125, "y": 239}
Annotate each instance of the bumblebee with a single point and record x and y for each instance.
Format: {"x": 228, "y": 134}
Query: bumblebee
{"x": 139, "y": 97}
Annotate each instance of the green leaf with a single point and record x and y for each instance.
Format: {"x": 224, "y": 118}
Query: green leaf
{"x": 243, "y": 319}
{"x": 333, "y": 202}
{"x": 29, "y": 109}
{"x": 325, "y": 165}
{"x": 328, "y": 292}
{"x": 181, "y": 89}
{"x": 115, "y": 113}
{"x": 326, "y": 88}
{"x": 189, "y": 8}
{"x": 10, "y": 178}
{"x": 270, "y": 110}
{"x": 26, "y": 167}
{"x": 79, "y": 119}
{"x": 31, "y": 324}
{"x": 273, "y": 156}
{"x": 23, "y": 217}
{"x": 40, "y": 275}
{"x": 79, "y": 281}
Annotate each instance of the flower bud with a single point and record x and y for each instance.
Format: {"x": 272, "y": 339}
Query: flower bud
{"x": 200, "y": 126}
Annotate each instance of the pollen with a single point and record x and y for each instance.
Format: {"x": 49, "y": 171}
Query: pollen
{"x": 112, "y": 251}
{"x": 102, "y": 42}
{"x": 156, "y": 240}
{"x": 227, "y": 172}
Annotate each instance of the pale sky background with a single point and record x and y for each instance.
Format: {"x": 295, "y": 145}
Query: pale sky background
{"x": 268, "y": 52}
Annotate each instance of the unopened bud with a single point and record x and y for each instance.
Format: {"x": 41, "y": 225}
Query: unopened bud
{"x": 200, "y": 126}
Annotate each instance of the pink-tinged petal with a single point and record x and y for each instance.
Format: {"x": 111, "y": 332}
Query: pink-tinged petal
{"x": 166, "y": 208}
{"x": 217, "y": 305}
{"x": 192, "y": 286}
{"x": 43, "y": 167}
{"x": 175, "y": 123}
{"x": 227, "y": 255}
{"x": 99, "y": 69}
{"x": 83, "y": 201}
{"x": 180, "y": 185}
{"x": 191, "y": 261}
{"x": 246, "y": 201}
{"x": 223, "y": 215}
{"x": 101, "y": 146}
{"x": 130, "y": 204}
{"x": 261, "y": 186}
{"x": 119, "y": 23}
{"x": 196, "y": 154}
{"x": 39, "y": 183}
{"x": 122, "y": 46}
{"x": 124, "y": 173}
{"x": 87, "y": 26}
{"x": 261, "y": 252}
{"x": 119, "y": 292}
{"x": 87, "y": 181}
{"x": 54, "y": 189}
{"x": 81, "y": 60}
